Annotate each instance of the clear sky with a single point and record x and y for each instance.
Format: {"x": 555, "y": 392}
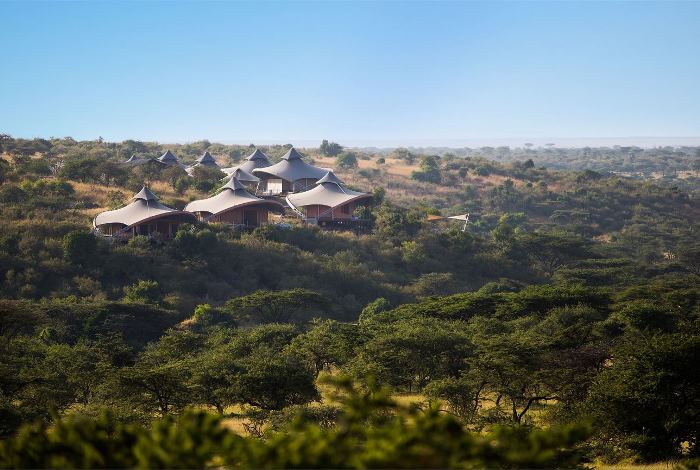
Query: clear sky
{"x": 362, "y": 73}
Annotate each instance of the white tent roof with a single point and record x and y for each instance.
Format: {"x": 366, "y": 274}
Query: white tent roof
{"x": 327, "y": 193}
{"x": 145, "y": 206}
{"x": 291, "y": 168}
{"x": 233, "y": 194}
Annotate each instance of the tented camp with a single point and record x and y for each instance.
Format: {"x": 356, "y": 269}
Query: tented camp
{"x": 168, "y": 158}
{"x": 234, "y": 205}
{"x": 206, "y": 160}
{"x": 135, "y": 161}
{"x": 291, "y": 174}
{"x": 249, "y": 181}
{"x": 144, "y": 216}
{"x": 329, "y": 203}
{"x": 257, "y": 159}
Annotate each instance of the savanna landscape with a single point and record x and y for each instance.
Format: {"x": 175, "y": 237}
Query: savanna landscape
{"x": 387, "y": 234}
{"x": 558, "y": 327}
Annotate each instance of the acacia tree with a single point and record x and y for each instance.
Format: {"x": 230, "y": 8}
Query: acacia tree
{"x": 648, "y": 397}
{"x": 330, "y": 149}
{"x": 265, "y": 306}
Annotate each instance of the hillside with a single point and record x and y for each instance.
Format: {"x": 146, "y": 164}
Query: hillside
{"x": 571, "y": 297}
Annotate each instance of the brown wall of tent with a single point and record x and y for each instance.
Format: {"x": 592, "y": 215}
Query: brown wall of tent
{"x": 319, "y": 212}
{"x": 166, "y": 226}
{"x": 250, "y": 216}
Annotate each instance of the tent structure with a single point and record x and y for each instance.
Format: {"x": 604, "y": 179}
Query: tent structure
{"x": 205, "y": 160}
{"x": 144, "y": 216}
{"x": 234, "y": 205}
{"x": 463, "y": 217}
{"x": 244, "y": 177}
{"x": 135, "y": 161}
{"x": 291, "y": 174}
{"x": 257, "y": 159}
{"x": 329, "y": 201}
{"x": 168, "y": 158}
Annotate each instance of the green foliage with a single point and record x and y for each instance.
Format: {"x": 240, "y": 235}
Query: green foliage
{"x": 80, "y": 248}
{"x": 647, "y": 400}
{"x": 346, "y": 160}
{"x": 144, "y": 291}
{"x": 372, "y": 432}
{"x": 275, "y": 307}
{"x": 330, "y": 149}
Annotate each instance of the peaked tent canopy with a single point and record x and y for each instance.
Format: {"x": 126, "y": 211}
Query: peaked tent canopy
{"x": 168, "y": 158}
{"x": 244, "y": 176}
{"x": 291, "y": 168}
{"x": 329, "y": 177}
{"x": 132, "y": 158}
{"x": 257, "y": 159}
{"x": 233, "y": 195}
{"x": 145, "y": 194}
{"x": 327, "y": 193}
{"x": 207, "y": 159}
{"x": 145, "y": 207}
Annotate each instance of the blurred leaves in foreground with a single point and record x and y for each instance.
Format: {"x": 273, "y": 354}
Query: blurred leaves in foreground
{"x": 371, "y": 431}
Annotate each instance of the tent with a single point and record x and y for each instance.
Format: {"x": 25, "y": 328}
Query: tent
{"x": 145, "y": 215}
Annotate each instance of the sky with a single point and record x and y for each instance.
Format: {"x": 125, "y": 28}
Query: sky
{"x": 360, "y": 73}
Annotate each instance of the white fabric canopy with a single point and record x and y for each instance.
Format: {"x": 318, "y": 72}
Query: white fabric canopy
{"x": 232, "y": 195}
{"x": 144, "y": 207}
{"x": 291, "y": 168}
{"x": 326, "y": 193}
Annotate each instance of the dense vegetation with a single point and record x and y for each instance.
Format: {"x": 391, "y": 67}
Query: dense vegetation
{"x": 572, "y": 297}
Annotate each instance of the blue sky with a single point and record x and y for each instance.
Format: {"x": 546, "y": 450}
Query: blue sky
{"x": 362, "y": 73}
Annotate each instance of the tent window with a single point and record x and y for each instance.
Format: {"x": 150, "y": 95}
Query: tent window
{"x": 345, "y": 209}
{"x": 274, "y": 186}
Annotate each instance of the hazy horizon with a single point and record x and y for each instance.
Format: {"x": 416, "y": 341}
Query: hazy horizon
{"x": 513, "y": 142}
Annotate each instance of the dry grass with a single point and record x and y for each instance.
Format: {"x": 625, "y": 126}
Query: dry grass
{"x": 626, "y": 466}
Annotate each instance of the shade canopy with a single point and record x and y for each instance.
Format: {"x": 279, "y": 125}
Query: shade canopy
{"x": 291, "y": 168}
{"x": 327, "y": 193}
{"x": 145, "y": 206}
{"x": 233, "y": 195}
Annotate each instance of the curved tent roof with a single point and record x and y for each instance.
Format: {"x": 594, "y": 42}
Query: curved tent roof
{"x": 145, "y": 206}
{"x": 244, "y": 176}
{"x": 233, "y": 195}
{"x": 291, "y": 168}
{"x": 257, "y": 159}
{"x": 326, "y": 193}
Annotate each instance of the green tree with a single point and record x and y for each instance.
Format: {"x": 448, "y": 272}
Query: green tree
{"x": 266, "y": 306}
{"x": 144, "y": 291}
{"x": 346, "y": 160}
{"x": 80, "y": 248}
{"x": 647, "y": 399}
{"x": 330, "y": 149}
